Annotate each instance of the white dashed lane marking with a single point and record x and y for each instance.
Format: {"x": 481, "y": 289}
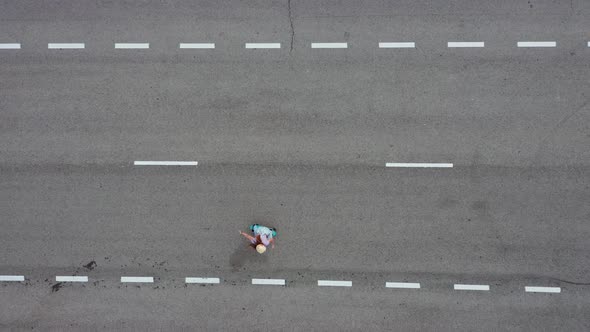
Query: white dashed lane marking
{"x": 465, "y": 44}
{"x": 164, "y": 163}
{"x": 9, "y": 46}
{"x": 262, "y": 45}
{"x": 421, "y": 165}
{"x": 536, "y": 289}
{"x": 329, "y": 45}
{"x": 65, "y": 46}
{"x": 472, "y": 287}
{"x": 137, "y": 279}
{"x": 335, "y": 283}
{"x": 191, "y": 280}
{"x": 197, "y": 45}
{"x": 412, "y": 285}
{"x": 12, "y": 278}
{"x": 132, "y": 45}
{"x": 275, "y": 282}
{"x": 398, "y": 45}
{"x": 71, "y": 278}
{"x": 537, "y": 44}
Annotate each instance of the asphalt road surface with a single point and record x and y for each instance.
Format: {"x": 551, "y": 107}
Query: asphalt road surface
{"x": 295, "y": 136}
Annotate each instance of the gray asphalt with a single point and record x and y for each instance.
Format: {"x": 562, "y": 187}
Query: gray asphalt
{"x": 296, "y": 138}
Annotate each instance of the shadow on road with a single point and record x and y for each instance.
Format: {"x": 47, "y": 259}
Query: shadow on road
{"x": 246, "y": 254}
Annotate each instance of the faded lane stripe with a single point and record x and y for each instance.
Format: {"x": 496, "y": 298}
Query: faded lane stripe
{"x": 11, "y": 278}
{"x": 197, "y": 45}
{"x": 132, "y": 45}
{"x": 71, "y": 278}
{"x": 65, "y": 46}
{"x": 164, "y": 163}
{"x": 335, "y": 283}
{"x": 472, "y": 287}
{"x": 420, "y": 165}
{"x": 537, "y": 289}
{"x": 413, "y": 285}
{"x": 465, "y": 44}
{"x": 276, "y": 282}
{"x": 262, "y": 45}
{"x": 398, "y": 45}
{"x": 192, "y": 280}
{"x": 137, "y": 279}
{"x": 537, "y": 44}
{"x": 9, "y": 46}
{"x": 329, "y": 45}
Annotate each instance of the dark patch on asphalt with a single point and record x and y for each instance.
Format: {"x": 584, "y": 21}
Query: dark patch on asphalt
{"x": 245, "y": 254}
{"x": 90, "y": 266}
{"x": 57, "y": 287}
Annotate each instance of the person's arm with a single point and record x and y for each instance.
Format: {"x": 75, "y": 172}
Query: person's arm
{"x": 272, "y": 242}
{"x": 248, "y": 236}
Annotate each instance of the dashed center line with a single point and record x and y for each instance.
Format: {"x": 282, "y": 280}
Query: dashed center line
{"x": 11, "y": 278}
{"x": 9, "y": 46}
{"x": 537, "y": 44}
{"x": 282, "y": 282}
{"x": 164, "y": 163}
{"x": 472, "y": 287}
{"x": 65, "y": 46}
{"x": 471, "y": 44}
{"x": 132, "y": 45}
{"x": 465, "y": 44}
{"x": 335, "y": 283}
{"x": 197, "y": 45}
{"x": 262, "y": 45}
{"x": 137, "y": 279}
{"x": 329, "y": 45}
{"x": 413, "y": 285}
{"x": 276, "y": 282}
{"x": 536, "y": 289}
{"x": 421, "y": 165}
{"x": 71, "y": 278}
{"x": 201, "y": 280}
{"x": 398, "y": 45}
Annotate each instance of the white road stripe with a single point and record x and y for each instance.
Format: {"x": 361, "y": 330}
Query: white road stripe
{"x": 465, "y": 44}
{"x": 201, "y": 280}
{"x": 12, "y": 278}
{"x": 9, "y": 46}
{"x": 423, "y": 165}
{"x": 588, "y": 44}
{"x": 137, "y": 279}
{"x": 537, "y": 44}
{"x": 197, "y": 45}
{"x": 164, "y": 163}
{"x": 398, "y": 45}
{"x": 335, "y": 283}
{"x": 262, "y": 45}
{"x": 278, "y": 282}
{"x": 535, "y": 289}
{"x": 64, "y": 46}
{"x": 132, "y": 45}
{"x": 329, "y": 45}
{"x": 71, "y": 278}
{"x": 414, "y": 285}
{"x": 472, "y": 287}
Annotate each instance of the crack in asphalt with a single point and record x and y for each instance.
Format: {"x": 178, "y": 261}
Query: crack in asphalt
{"x": 291, "y": 24}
